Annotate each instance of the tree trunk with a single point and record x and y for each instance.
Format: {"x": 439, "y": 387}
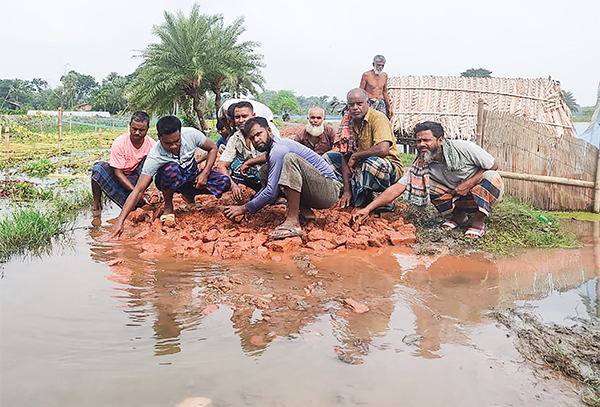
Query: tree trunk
{"x": 198, "y": 110}
{"x": 217, "y": 91}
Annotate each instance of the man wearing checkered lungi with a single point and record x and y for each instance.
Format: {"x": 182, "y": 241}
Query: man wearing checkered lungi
{"x": 457, "y": 176}
{"x": 368, "y": 160}
{"x": 172, "y": 164}
{"x": 117, "y": 177}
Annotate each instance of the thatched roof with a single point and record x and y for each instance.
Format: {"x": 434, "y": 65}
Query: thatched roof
{"x": 452, "y": 101}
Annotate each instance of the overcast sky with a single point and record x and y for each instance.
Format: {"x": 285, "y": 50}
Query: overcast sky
{"x": 321, "y": 47}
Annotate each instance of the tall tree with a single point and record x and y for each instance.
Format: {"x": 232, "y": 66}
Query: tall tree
{"x": 477, "y": 73}
{"x": 196, "y": 54}
{"x": 77, "y": 88}
{"x": 110, "y": 96}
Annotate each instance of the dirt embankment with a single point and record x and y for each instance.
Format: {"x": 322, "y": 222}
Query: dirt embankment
{"x": 206, "y": 231}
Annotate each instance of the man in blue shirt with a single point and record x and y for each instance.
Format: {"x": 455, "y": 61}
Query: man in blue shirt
{"x": 172, "y": 164}
{"x": 302, "y": 175}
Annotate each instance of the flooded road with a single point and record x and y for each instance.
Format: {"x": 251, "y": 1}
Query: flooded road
{"x": 95, "y": 324}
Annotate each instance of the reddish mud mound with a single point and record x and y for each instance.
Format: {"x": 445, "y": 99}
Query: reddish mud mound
{"x": 204, "y": 230}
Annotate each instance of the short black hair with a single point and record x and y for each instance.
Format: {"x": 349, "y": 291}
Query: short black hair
{"x": 261, "y": 121}
{"x": 140, "y": 117}
{"x": 220, "y": 124}
{"x": 231, "y": 111}
{"x": 435, "y": 127}
{"x": 168, "y": 125}
{"x": 242, "y": 104}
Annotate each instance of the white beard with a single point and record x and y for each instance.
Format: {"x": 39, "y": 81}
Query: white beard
{"x": 315, "y": 131}
{"x": 377, "y": 71}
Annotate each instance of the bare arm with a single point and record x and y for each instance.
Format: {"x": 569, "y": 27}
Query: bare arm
{"x": 387, "y": 196}
{"x": 379, "y": 150}
{"x": 386, "y": 99}
{"x": 363, "y": 81}
{"x": 133, "y": 198}
{"x": 123, "y": 180}
{"x": 465, "y": 187}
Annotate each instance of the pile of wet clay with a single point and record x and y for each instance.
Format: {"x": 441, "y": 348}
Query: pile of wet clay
{"x": 202, "y": 229}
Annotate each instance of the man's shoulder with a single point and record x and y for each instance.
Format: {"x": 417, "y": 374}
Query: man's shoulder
{"x": 374, "y": 115}
{"x": 121, "y": 141}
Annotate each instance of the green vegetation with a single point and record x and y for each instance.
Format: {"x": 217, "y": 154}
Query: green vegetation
{"x": 196, "y": 54}
{"x": 30, "y": 229}
{"x": 570, "y": 101}
{"x": 23, "y": 191}
{"x": 477, "y": 73}
{"x": 511, "y": 226}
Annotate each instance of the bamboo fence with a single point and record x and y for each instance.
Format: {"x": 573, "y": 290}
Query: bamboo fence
{"x": 453, "y": 102}
{"x": 528, "y": 149}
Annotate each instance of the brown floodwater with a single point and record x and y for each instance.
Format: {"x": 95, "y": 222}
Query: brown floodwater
{"x": 95, "y": 324}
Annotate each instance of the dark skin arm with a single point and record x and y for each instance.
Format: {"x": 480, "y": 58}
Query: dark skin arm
{"x": 133, "y": 198}
{"x": 387, "y": 196}
{"x": 349, "y": 163}
{"x": 386, "y": 98}
{"x": 236, "y": 191}
{"x": 261, "y": 159}
{"x": 465, "y": 187}
{"x": 212, "y": 150}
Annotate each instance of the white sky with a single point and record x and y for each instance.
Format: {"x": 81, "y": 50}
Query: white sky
{"x": 321, "y": 47}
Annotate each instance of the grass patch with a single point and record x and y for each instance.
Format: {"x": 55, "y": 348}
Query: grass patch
{"x": 23, "y": 191}
{"x": 511, "y": 226}
{"x": 31, "y": 229}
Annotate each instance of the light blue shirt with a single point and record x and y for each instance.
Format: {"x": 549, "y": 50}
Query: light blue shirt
{"x": 158, "y": 156}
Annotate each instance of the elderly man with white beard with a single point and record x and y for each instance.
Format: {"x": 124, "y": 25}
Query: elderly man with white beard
{"x": 375, "y": 83}
{"x": 457, "y": 176}
{"x": 317, "y": 135}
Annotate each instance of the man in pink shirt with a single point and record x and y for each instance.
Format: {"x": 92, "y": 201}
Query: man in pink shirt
{"x": 118, "y": 177}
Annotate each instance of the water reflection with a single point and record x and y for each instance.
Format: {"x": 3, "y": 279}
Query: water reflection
{"x": 434, "y": 299}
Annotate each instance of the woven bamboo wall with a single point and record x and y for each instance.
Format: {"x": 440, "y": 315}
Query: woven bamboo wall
{"x": 452, "y": 101}
{"x": 522, "y": 146}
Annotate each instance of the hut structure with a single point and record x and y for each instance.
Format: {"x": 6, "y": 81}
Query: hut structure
{"x": 453, "y": 101}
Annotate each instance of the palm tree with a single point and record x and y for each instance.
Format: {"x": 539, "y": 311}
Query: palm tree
{"x": 195, "y": 54}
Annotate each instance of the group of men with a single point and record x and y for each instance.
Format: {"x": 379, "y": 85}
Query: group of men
{"x": 357, "y": 166}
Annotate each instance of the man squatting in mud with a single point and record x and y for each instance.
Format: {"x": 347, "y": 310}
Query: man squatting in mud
{"x": 367, "y": 159}
{"x": 118, "y": 177}
{"x": 457, "y": 176}
{"x": 374, "y": 82}
{"x": 302, "y": 175}
{"x": 240, "y": 160}
{"x": 171, "y": 162}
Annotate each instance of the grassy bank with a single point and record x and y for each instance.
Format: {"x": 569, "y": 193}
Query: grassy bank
{"x": 31, "y": 227}
{"x": 511, "y": 226}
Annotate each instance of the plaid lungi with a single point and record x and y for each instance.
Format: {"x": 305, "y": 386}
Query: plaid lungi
{"x": 375, "y": 174}
{"x": 378, "y": 104}
{"x": 251, "y": 179}
{"x": 482, "y": 197}
{"x": 104, "y": 175}
{"x": 173, "y": 176}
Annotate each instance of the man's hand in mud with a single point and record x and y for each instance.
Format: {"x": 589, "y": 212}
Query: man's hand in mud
{"x": 345, "y": 201}
{"x": 201, "y": 180}
{"x": 117, "y": 230}
{"x": 360, "y": 216}
{"x": 234, "y": 212}
{"x": 236, "y": 191}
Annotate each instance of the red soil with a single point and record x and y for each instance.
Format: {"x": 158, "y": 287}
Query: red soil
{"x": 206, "y": 231}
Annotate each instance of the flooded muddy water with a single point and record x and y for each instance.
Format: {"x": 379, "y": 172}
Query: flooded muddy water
{"x": 96, "y": 324}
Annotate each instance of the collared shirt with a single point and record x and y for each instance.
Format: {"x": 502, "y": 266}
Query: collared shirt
{"x": 280, "y": 148}
{"x": 323, "y": 143}
{"x": 374, "y": 129}
{"x": 158, "y": 156}
{"x": 475, "y": 157}
{"x": 237, "y": 147}
{"x": 123, "y": 154}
